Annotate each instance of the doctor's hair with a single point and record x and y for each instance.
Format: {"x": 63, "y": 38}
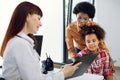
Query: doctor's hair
{"x": 85, "y": 7}
{"x": 93, "y": 29}
{"x": 17, "y": 21}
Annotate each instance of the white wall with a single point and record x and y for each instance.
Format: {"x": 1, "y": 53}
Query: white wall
{"x": 52, "y": 25}
{"x": 53, "y": 29}
{"x": 108, "y": 16}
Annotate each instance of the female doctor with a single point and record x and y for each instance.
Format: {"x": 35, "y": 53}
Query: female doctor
{"x": 20, "y": 59}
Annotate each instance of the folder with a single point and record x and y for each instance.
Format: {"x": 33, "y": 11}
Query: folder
{"x": 86, "y": 60}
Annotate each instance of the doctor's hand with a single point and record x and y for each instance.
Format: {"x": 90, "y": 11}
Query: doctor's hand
{"x": 69, "y": 69}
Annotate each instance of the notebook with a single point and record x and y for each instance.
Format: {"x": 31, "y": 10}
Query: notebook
{"x": 86, "y": 62}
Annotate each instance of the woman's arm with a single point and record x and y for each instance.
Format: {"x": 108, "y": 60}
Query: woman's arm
{"x": 69, "y": 43}
{"x": 29, "y": 64}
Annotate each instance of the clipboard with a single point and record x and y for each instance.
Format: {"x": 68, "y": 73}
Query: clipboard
{"x": 86, "y": 62}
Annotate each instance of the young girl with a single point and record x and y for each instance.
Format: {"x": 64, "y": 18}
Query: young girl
{"x": 92, "y": 36}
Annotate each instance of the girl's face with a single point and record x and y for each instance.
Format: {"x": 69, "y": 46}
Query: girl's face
{"x": 33, "y": 23}
{"x": 92, "y": 42}
{"x": 82, "y": 19}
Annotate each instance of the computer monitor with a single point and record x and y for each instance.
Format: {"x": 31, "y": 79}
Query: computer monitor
{"x": 39, "y": 39}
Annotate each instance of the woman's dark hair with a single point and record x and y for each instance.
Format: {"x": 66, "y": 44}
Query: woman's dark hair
{"x": 85, "y": 7}
{"x": 17, "y": 21}
{"x": 93, "y": 29}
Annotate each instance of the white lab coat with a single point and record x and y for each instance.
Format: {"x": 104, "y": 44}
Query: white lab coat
{"x": 21, "y": 61}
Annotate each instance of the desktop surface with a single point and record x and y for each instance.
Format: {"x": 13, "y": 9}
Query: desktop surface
{"x": 87, "y": 76}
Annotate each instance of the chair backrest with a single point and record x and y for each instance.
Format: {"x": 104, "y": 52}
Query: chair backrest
{"x": 39, "y": 39}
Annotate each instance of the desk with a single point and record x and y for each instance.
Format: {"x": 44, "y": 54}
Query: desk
{"x": 85, "y": 76}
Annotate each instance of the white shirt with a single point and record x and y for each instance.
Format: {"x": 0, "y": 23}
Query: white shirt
{"x": 21, "y": 61}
